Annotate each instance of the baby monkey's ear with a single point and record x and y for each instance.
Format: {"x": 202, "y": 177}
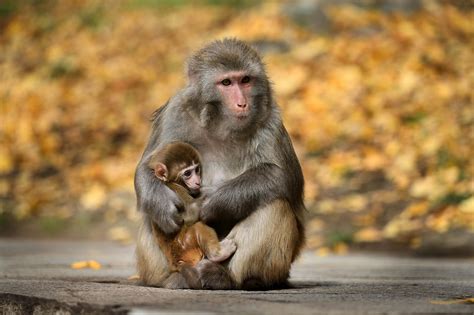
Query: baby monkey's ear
{"x": 161, "y": 171}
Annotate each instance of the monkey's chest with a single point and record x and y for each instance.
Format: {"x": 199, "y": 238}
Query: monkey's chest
{"x": 221, "y": 162}
{"x": 217, "y": 170}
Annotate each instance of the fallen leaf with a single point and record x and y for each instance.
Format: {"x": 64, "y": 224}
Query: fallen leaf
{"x": 91, "y": 264}
{"x": 469, "y": 300}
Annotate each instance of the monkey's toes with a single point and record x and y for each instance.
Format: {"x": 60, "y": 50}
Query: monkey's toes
{"x": 228, "y": 247}
{"x": 228, "y": 244}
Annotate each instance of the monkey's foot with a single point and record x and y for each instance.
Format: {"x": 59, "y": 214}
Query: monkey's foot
{"x": 228, "y": 247}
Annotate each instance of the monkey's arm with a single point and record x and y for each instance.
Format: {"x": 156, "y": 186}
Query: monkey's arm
{"x": 157, "y": 200}
{"x": 154, "y": 198}
{"x": 239, "y": 197}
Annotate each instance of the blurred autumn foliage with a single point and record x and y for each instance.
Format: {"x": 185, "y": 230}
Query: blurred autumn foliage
{"x": 379, "y": 106}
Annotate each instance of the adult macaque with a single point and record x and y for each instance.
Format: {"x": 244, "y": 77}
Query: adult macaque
{"x": 228, "y": 113}
{"x": 178, "y": 166}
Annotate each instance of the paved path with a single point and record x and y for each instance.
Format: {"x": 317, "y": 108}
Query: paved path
{"x": 35, "y": 276}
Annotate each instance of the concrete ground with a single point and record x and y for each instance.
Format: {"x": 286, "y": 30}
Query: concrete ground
{"x": 36, "y": 278}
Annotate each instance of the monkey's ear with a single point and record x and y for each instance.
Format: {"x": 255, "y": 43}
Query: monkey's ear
{"x": 161, "y": 171}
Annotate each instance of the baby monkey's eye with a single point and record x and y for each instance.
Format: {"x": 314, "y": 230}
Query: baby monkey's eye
{"x": 198, "y": 169}
{"x": 187, "y": 173}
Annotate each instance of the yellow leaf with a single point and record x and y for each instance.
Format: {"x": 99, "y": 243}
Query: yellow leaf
{"x": 415, "y": 243}
{"x": 323, "y": 251}
{"x": 400, "y": 227}
{"x": 469, "y": 300}
{"x": 440, "y": 222}
{"x": 314, "y": 242}
{"x": 467, "y": 205}
{"x": 4, "y": 187}
{"x": 327, "y": 206}
{"x": 120, "y": 234}
{"x": 315, "y": 225}
{"x": 355, "y": 202}
{"x": 6, "y": 162}
{"x": 449, "y": 176}
{"x": 408, "y": 81}
{"x": 94, "y": 197}
{"x": 79, "y": 265}
{"x": 374, "y": 160}
{"x": 309, "y": 50}
{"x": 92, "y": 264}
{"x": 428, "y": 187}
{"x": 289, "y": 80}
{"x": 431, "y": 145}
{"x": 341, "y": 248}
{"x": 406, "y": 162}
{"x": 416, "y": 210}
{"x": 369, "y": 234}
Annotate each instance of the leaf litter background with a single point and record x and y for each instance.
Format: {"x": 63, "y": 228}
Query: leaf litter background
{"x": 379, "y": 104}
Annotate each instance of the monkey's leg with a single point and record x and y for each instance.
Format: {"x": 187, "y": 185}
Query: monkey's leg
{"x": 191, "y": 276}
{"x": 214, "y": 276}
{"x": 152, "y": 264}
{"x": 266, "y": 241}
{"x": 176, "y": 280}
{"x": 209, "y": 243}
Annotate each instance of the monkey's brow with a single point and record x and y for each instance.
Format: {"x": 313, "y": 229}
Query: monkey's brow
{"x": 191, "y": 167}
{"x": 231, "y": 74}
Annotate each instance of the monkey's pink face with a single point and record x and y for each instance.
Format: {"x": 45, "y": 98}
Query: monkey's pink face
{"x": 191, "y": 177}
{"x": 235, "y": 88}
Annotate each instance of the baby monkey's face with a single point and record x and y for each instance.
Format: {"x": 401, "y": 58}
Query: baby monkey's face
{"x": 191, "y": 176}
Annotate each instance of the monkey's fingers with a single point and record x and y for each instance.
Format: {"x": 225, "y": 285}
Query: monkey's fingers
{"x": 169, "y": 223}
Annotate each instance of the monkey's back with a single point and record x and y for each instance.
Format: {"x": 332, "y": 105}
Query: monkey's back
{"x": 182, "y": 248}
{"x": 185, "y": 246}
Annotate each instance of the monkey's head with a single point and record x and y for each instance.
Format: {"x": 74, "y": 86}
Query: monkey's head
{"x": 229, "y": 87}
{"x": 179, "y": 163}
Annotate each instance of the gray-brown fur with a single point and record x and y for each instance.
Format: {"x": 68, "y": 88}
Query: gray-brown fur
{"x": 257, "y": 179}
{"x": 195, "y": 240}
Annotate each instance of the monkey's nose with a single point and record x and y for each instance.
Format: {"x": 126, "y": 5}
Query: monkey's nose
{"x": 242, "y": 105}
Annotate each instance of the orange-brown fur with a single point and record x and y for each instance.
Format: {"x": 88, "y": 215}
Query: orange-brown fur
{"x": 195, "y": 240}
{"x": 189, "y": 246}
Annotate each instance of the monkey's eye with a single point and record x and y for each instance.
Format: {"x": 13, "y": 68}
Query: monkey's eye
{"x": 198, "y": 169}
{"x": 187, "y": 173}
{"x": 226, "y": 82}
{"x": 246, "y": 79}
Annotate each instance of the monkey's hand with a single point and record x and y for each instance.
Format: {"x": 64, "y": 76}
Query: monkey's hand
{"x": 158, "y": 201}
{"x": 237, "y": 198}
{"x": 203, "y": 199}
{"x": 191, "y": 215}
{"x": 168, "y": 213}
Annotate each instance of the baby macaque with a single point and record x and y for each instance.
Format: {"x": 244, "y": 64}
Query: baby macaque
{"x": 178, "y": 165}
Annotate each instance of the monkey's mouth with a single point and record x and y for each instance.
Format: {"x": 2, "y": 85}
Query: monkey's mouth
{"x": 242, "y": 116}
